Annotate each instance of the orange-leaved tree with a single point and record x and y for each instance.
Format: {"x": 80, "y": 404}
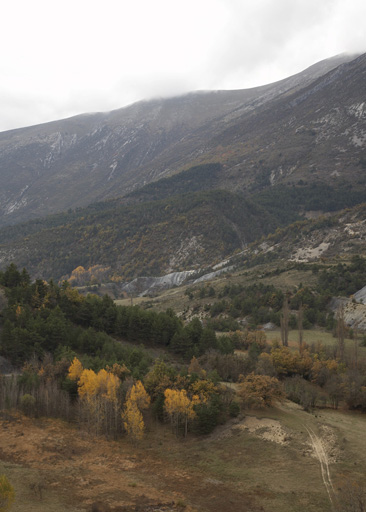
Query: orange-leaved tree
{"x": 260, "y": 390}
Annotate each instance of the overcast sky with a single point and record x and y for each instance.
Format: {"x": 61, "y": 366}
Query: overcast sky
{"x": 61, "y": 58}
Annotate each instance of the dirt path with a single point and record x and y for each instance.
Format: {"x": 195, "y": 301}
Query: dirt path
{"x": 323, "y": 460}
{"x": 319, "y": 448}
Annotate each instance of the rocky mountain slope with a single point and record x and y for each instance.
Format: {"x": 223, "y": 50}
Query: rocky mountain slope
{"x": 261, "y": 135}
{"x": 329, "y": 238}
{"x": 325, "y": 237}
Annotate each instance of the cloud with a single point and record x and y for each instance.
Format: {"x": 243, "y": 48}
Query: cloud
{"x": 281, "y": 37}
{"x": 74, "y": 57}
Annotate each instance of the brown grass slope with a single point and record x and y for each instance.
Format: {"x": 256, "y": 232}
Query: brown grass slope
{"x": 265, "y": 461}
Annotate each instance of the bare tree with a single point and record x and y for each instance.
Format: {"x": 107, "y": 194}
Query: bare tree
{"x": 300, "y": 318}
{"x": 355, "y": 339}
{"x": 284, "y": 322}
{"x": 341, "y": 331}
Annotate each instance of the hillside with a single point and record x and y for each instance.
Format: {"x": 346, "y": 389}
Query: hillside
{"x": 150, "y": 238}
{"x": 304, "y": 126}
{"x": 171, "y": 226}
{"x": 270, "y": 427}
{"x": 315, "y": 135}
{"x": 326, "y": 237}
{"x": 265, "y": 461}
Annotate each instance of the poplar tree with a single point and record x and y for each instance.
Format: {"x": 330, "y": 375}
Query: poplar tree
{"x": 133, "y": 421}
{"x": 284, "y": 322}
{"x": 300, "y": 318}
{"x": 180, "y": 408}
{"x": 341, "y": 331}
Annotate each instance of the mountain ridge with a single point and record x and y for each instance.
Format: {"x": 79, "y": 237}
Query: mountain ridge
{"x": 74, "y": 162}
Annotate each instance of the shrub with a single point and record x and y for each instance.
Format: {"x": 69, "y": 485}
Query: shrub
{"x": 27, "y": 404}
{"x": 7, "y": 494}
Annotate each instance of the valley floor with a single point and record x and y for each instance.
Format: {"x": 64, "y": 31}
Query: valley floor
{"x": 279, "y": 459}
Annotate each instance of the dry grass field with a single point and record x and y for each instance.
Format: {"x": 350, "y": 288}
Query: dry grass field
{"x": 315, "y": 337}
{"x": 265, "y": 460}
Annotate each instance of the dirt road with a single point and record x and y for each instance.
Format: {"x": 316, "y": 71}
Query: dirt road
{"x": 321, "y": 455}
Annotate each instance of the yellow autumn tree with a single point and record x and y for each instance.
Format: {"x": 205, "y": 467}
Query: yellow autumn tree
{"x": 102, "y": 384}
{"x": 289, "y": 363}
{"x": 7, "y": 494}
{"x": 98, "y": 394}
{"x": 107, "y": 385}
{"x": 133, "y": 421}
{"x": 87, "y": 384}
{"x": 75, "y": 369}
{"x": 180, "y": 408}
{"x": 323, "y": 369}
{"x": 77, "y": 276}
{"x": 137, "y": 401}
{"x": 139, "y": 396}
{"x": 204, "y": 389}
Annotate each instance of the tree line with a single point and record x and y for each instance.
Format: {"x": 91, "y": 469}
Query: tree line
{"x": 76, "y": 365}
{"x": 43, "y": 317}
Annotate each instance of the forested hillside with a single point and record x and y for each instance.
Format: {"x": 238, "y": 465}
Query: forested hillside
{"x": 180, "y": 232}
{"x": 174, "y": 224}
